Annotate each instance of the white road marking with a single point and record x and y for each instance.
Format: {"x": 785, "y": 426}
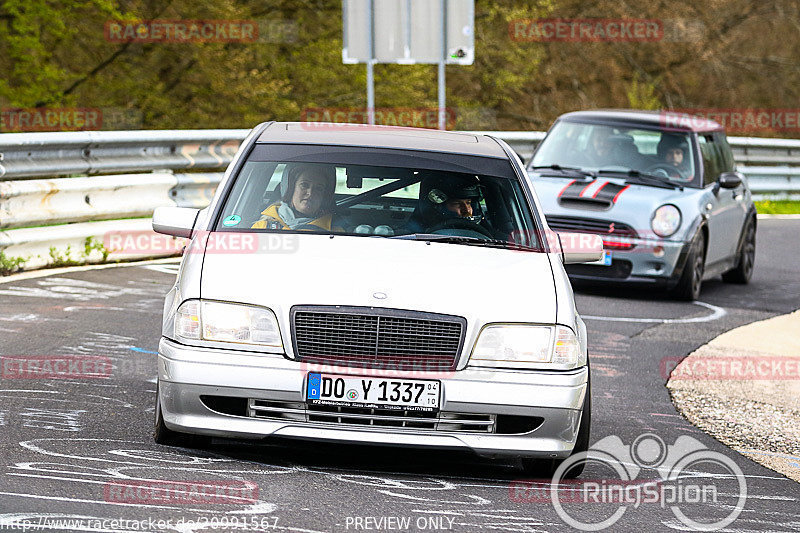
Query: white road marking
{"x": 717, "y": 313}
{"x": 166, "y": 269}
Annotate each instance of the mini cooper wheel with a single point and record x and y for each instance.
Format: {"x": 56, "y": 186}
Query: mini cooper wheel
{"x": 545, "y": 468}
{"x": 747, "y": 257}
{"x": 691, "y": 281}
{"x": 163, "y": 435}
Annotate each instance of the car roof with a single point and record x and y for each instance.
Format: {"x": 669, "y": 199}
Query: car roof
{"x": 672, "y": 120}
{"x": 363, "y": 135}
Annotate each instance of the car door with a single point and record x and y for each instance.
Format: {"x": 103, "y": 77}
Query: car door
{"x": 723, "y": 207}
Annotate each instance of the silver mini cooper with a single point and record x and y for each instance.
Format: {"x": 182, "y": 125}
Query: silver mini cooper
{"x": 375, "y": 285}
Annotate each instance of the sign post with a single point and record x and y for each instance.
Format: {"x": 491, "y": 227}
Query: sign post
{"x": 408, "y": 32}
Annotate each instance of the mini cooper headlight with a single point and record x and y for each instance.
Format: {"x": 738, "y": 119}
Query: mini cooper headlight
{"x": 226, "y": 322}
{"x": 520, "y": 346}
{"x": 666, "y": 220}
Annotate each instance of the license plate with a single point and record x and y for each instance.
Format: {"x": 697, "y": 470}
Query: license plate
{"x": 604, "y": 261}
{"x": 384, "y": 393}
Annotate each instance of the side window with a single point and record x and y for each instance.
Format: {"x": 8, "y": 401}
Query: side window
{"x": 712, "y": 163}
{"x": 728, "y": 164}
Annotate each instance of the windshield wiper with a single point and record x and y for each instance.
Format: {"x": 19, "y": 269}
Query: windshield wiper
{"x": 642, "y": 178}
{"x": 462, "y": 239}
{"x": 563, "y": 169}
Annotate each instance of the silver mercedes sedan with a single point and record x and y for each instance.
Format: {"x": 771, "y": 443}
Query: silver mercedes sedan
{"x": 375, "y": 285}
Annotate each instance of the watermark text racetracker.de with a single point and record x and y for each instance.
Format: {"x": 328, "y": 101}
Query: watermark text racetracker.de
{"x": 164, "y": 492}
{"x": 586, "y": 30}
{"x": 50, "y": 119}
{"x": 703, "y": 489}
{"x": 181, "y": 31}
{"x": 732, "y": 368}
{"x": 55, "y": 367}
{"x": 357, "y": 119}
{"x": 734, "y": 120}
{"x": 55, "y": 522}
{"x": 145, "y": 243}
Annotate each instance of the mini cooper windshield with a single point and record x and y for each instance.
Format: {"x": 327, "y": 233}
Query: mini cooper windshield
{"x": 346, "y": 192}
{"x": 597, "y": 149}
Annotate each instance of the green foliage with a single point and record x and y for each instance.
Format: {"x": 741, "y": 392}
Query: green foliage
{"x": 57, "y": 259}
{"x": 55, "y": 54}
{"x": 642, "y": 95}
{"x": 92, "y": 244}
{"x": 9, "y": 265}
{"x": 778, "y": 207}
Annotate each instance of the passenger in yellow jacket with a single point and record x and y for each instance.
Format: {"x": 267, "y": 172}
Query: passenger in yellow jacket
{"x": 307, "y": 200}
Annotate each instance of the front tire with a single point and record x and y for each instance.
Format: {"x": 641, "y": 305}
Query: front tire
{"x": 747, "y": 257}
{"x": 691, "y": 280}
{"x": 163, "y": 435}
{"x": 545, "y": 468}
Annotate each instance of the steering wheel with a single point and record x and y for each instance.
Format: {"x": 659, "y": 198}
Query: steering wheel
{"x": 462, "y": 224}
{"x": 666, "y": 170}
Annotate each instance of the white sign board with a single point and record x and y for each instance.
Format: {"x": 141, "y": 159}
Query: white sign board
{"x": 408, "y": 31}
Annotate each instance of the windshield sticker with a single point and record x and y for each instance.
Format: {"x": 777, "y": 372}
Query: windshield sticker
{"x": 232, "y": 220}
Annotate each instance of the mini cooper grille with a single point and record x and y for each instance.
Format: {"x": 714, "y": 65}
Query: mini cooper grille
{"x": 377, "y": 338}
{"x": 443, "y": 421}
{"x": 590, "y": 225}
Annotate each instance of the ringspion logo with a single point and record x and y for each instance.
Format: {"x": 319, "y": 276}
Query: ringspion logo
{"x": 705, "y": 490}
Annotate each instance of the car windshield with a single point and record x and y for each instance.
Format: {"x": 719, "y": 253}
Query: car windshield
{"x": 350, "y": 194}
{"x": 606, "y": 149}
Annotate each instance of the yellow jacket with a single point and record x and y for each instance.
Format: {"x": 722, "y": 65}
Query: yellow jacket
{"x": 272, "y": 220}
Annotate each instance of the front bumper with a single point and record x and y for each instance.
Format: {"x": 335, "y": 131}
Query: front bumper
{"x": 186, "y": 373}
{"x": 639, "y": 265}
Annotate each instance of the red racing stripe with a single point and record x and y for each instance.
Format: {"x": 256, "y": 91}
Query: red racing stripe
{"x": 566, "y": 187}
{"x": 600, "y": 189}
{"x": 620, "y": 192}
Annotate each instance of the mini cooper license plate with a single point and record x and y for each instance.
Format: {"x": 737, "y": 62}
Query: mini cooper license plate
{"x": 370, "y": 392}
{"x": 604, "y": 261}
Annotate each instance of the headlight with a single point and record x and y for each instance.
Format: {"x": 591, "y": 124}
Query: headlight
{"x": 666, "y": 220}
{"x": 527, "y": 347}
{"x": 224, "y": 322}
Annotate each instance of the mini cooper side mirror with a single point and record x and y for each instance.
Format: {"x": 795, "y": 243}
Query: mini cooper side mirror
{"x": 175, "y": 221}
{"x": 580, "y": 247}
{"x": 730, "y": 180}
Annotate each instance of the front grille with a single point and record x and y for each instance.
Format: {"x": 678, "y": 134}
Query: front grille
{"x": 619, "y": 269}
{"x": 615, "y": 235}
{"x": 377, "y": 338}
{"x": 590, "y": 225}
{"x": 359, "y": 416}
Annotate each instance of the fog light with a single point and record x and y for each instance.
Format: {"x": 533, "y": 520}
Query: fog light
{"x": 658, "y": 251}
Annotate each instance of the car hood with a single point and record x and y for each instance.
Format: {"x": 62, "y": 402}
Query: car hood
{"x": 616, "y": 201}
{"x": 478, "y": 283}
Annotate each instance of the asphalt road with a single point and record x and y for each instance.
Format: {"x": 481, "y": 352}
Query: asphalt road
{"x": 65, "y": 442}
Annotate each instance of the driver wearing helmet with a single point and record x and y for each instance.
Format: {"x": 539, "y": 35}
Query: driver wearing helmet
{"x": 674, "y": 150}
{"x": 448, "y": 201}
{"x": 307, "y": 200}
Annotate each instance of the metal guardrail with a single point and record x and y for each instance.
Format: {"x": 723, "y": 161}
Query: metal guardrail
{"x": 127, "y": 174}
{"x": 31, "y": 155}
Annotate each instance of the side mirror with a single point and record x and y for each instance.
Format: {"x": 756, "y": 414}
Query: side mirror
{"x": 580, "y": 247}
{"x": 730, "y": 180}
{"x": 175, "y": 221}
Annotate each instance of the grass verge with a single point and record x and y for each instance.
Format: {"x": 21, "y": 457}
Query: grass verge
{"x": 778, "y": 207}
